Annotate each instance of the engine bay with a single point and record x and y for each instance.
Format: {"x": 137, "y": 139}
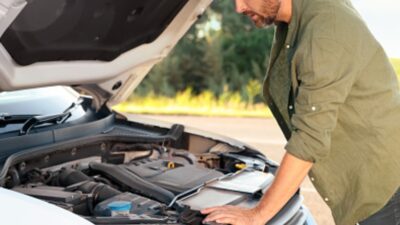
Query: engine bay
{"x": 139, "y": 183}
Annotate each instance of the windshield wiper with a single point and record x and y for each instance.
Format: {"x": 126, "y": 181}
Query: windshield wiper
{"x": 6, "y": 118}
{"x": 60, "y": 118}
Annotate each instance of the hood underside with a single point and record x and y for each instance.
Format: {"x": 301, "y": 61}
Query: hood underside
{"x": 106, "y": 45}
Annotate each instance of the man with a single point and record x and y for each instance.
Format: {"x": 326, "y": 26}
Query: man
{"x": 335, "y": 96}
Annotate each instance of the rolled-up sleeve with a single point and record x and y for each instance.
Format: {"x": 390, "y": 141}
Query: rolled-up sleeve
{"x": 325, "y": 73}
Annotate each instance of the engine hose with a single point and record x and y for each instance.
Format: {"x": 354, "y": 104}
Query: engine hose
{"x": 144, "y": 156}
{"x": 100, "y": 191}
{"x": 139, "y": 147}
{"x": 69, "y": 176}
{"x": 184, "y": 156}
{"x": 102, "y": 180}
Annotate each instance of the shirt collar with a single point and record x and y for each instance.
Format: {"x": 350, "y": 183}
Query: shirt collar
{"x": 294, "y": 22}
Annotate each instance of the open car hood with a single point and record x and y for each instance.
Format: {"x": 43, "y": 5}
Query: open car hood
{"x": 105, "y": 47}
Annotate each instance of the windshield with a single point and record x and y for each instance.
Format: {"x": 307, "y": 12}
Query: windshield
{"x": 38, "y": 101}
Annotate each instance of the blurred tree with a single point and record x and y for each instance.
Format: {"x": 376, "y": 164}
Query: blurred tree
{"x": 222, "y": 52}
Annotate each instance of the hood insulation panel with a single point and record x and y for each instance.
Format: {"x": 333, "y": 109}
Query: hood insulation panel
{"x": 53, "y": 30}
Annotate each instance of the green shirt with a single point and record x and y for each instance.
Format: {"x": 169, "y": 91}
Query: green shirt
{"x": 335, "y": 95}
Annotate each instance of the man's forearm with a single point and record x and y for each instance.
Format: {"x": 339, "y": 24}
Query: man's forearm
{"x": 290, "y": 175}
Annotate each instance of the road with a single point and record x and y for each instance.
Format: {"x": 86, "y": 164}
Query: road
{"x": 264, "y": 135}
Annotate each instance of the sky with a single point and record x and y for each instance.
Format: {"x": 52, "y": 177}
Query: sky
{"x": 383, "y": 19}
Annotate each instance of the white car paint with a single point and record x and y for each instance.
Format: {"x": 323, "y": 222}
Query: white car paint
{"x": 130, "y": 67}
{"x": 19, "y": 209}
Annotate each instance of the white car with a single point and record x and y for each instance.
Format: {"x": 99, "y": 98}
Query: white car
{"x": 66, "y": 158}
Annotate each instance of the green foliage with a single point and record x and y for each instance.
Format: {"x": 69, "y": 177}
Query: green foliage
{"x": 396, "y": 65}
{"x": 223, "y": 52}
{"x": 203, "y": 104}
{"x": 253, "y": 88}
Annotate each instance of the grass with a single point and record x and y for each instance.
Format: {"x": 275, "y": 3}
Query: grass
{"x": 396, "y": 65}
{"x": 185, "y": 103}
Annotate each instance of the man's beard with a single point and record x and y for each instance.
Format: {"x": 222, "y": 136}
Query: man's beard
{"x": 262, "y": 22}
{"x": 269, "y": 8}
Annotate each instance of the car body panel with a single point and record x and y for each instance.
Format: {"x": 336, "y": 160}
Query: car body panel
{"x": 19, "y": 209}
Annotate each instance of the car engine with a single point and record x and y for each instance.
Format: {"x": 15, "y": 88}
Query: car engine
{"x": 139, "y": 183}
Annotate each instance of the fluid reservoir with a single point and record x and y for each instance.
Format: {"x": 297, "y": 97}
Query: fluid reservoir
{"x": 120, "y": 208}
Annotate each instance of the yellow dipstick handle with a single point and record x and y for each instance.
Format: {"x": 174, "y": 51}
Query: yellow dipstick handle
{"x": 240, "y": 166}
{"x": 171, "y": 165}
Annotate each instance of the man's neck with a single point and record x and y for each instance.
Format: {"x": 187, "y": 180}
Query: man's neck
{"x": 285, "y": 11}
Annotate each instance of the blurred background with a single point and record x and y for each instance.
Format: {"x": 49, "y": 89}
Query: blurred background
{"x": 217, "y": 69}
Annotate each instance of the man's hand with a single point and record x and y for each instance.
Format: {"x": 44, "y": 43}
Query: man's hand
{"x": 287, "y": 181}
{"x": 233, "y": 215}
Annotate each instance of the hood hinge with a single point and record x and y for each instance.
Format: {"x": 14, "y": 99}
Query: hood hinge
{"x": 100, "y": 97}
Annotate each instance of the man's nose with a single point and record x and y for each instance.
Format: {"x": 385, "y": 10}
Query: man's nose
{"x": 240, "y": 6}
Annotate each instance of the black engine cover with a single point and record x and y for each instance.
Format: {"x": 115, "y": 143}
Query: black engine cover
{"x": 177, "y": 180}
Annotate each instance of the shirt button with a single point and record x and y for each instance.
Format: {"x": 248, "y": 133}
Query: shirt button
{"x": 312, "y": 179}
{"x": 313, "y": 108}
{"x": 326, "y": 199}
{"x": 288, "y": 46}
{"x": 290, "y": 107}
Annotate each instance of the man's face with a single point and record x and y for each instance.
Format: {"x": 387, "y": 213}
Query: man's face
{"x": 262, "y": 12}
